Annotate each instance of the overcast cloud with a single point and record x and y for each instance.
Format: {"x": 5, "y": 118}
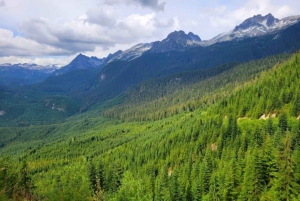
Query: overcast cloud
{"x": 2, "y": 3}
{"x": 153, "y": 4}
{"x": 94, "y": 29}
{"x": 44, "y": 31}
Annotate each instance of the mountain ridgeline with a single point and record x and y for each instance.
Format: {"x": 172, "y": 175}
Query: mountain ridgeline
{"x": 89, "y": 80}
{"x": 177, "y": 119}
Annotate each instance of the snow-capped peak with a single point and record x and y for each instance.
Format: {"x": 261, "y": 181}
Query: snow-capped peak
{"x": 131, "y": 53}
{"x": 255, "y": 26}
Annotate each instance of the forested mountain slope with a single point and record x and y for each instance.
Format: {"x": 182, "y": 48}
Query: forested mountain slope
{"x": 217, "y": 150}
{"x": 115, "y": 78}
{"x": 75, "y": 91}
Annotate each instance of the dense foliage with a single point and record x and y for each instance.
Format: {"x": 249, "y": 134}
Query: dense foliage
{"x": 218, "y": 146}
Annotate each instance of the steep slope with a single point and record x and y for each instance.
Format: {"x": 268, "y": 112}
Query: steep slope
{"x": 195, "y": 155}
{"x": 163, "y": 97}
{"x": 117, "y": 76}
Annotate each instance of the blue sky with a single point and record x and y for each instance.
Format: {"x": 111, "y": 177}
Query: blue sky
{"x": 54, "y": 32}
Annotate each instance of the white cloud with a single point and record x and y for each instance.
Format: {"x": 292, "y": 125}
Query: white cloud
{"x": 190, "y": 23}
{"x": 222, "y": 16}
{"x": 20, "y": 46}
{"x": 86, "y": 32}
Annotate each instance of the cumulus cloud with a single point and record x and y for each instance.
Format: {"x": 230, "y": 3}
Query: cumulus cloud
{"x": 88, "y": 31}
{"x": 102, "y": 17}
{"x": 20, "y": 46}
{"x": 222, "y": 16}
{"x": 153, "y": 4}
{"x": 2, "y": 3}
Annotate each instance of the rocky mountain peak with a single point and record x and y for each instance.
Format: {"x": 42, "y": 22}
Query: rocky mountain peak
{"x": 257, "y": 25}
{"x": 80, "y": 62}
{"x": 257, "y": 21}
{"x": 176, "y": 41}
{"x": 182, "y": 36}
{"x": 194, "y": 37}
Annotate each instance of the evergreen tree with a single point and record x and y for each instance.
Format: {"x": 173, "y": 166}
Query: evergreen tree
{"x": 283, "y": 123}
{"x": 25, "y": 185}
{"x": 253, "y": 183}
{"x": 214, "y": 194}
{"x": 101, "y": 175}
{"x": 92, "y": 177}
{"x": 231, "y": 182}
{"x": 296, "y": 105}
{"x": 270, "y": 128}
{"x": 285, "y": 185}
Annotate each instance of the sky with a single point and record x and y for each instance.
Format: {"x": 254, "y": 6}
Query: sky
{"x": 54, "y": 32}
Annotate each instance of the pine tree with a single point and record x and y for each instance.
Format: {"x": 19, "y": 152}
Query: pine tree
{"x": 101, "y": 175}
{"x": 285, "y": 183}
{"x": 231, "y": 182}
{"x": 269, "y": 128}
{"x": 98, "y": 194}
{"x": 214, "y": 194}
{"x": 296, "y": 105}
{"x": 253, "y": 183}
{"x": 92, "y": 177}
{"x": 116, "y": 180}
{"x": 283, "y": 123}
{"x": 26, "y": 185}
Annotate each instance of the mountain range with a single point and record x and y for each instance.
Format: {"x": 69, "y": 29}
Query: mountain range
{"x": 24, "y": 74}
{"x": 90, "y": 80}
{"x": 255, "y": 26}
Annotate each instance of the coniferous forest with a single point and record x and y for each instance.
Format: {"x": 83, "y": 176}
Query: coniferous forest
{"x": 228, "y": 133}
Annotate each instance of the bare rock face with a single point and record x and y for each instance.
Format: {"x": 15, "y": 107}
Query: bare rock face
{"x": 176, "y": 41}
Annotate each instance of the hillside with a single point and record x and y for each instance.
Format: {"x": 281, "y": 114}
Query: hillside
{"x": 176, "y": 119}
{"x": 218, "y": 150}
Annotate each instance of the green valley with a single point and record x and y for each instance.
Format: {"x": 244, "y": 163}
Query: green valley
{"x": 231, "y": 133}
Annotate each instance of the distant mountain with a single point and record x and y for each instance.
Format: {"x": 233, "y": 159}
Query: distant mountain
{"x": 176, "y": 41}
{"x": 24, "y": 74}
{"x": 89, "y": 80}
{"x": 255, "y": 26}
{"x": 117, "y": 76}
{"x": 81, "y": 62}
{"x": 180, "y": 41}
